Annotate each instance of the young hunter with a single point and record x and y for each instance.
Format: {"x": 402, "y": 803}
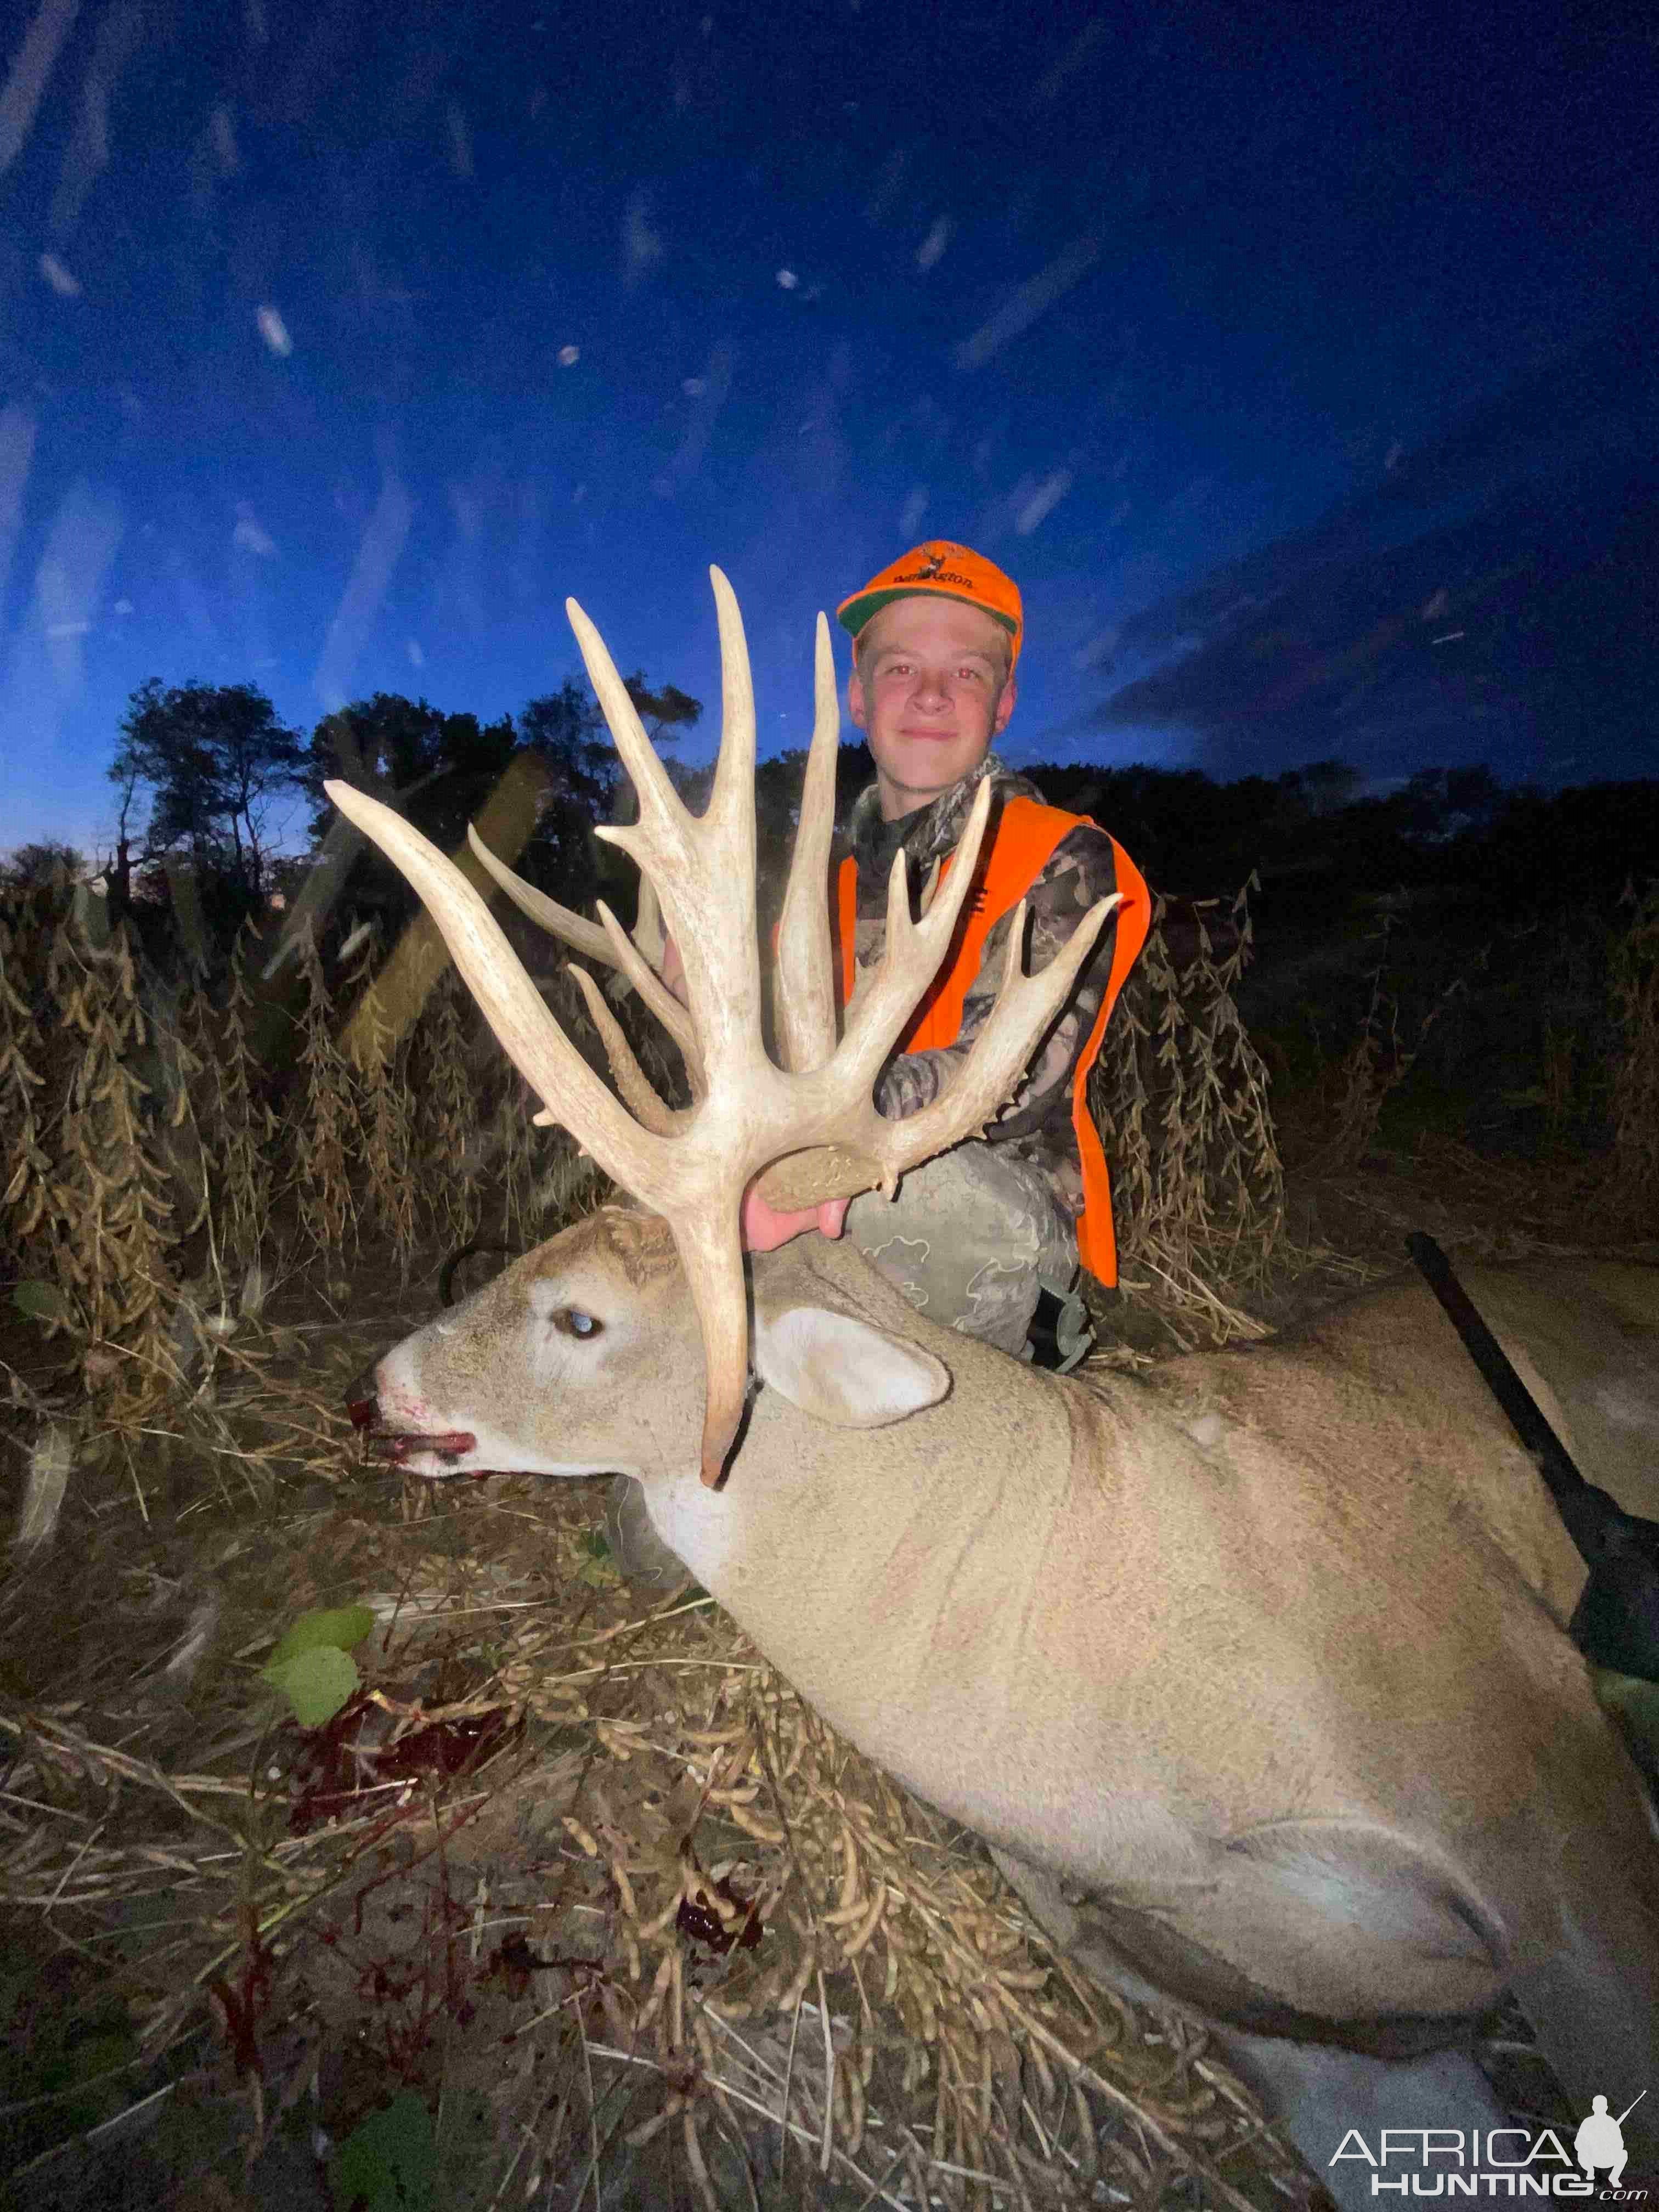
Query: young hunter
{"x": 976, "y": 1236}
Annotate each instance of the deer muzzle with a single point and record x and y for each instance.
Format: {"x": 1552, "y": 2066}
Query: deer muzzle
{"x": 396, "y": 1446}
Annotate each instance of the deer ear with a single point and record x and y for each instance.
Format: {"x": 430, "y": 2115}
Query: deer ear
{"x": 844, "y": 1371}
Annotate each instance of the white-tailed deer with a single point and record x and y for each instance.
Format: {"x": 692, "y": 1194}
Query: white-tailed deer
{"x": 1252, "y": 1671}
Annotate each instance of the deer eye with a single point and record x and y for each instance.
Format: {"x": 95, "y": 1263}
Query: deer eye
{"x": 571, "y": 1321}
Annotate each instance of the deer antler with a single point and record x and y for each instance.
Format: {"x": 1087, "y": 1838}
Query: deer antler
{"x": 606, "y": 942}
{"x": 812, "y": 1125}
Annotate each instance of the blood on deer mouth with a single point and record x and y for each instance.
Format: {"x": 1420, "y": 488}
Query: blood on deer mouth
{"x": 398, "y": 1445}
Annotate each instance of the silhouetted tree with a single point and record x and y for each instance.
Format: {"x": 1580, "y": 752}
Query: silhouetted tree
{"x": 567, "y": 728}
{"x": 215, "y": 759}
{"x": 37, "y": 863}
{"x": 390, "y": 743}
{"x": 119, "y": 866}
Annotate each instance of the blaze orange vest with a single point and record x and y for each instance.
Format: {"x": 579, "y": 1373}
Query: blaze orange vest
{"x": 1015, "y": 853}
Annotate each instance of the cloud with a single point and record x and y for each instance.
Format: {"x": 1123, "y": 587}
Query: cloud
{"x": 249, "y": 535}
{"x": 222, "y": 127}
{"x": 1030, "y": 301}
{"x": 1041, "y": 503}
{"x": 934, "y": 244}
{"x": 460, "y": 140}
{"x": 87, "y": 154}
{"x": 716, "y": 384}
{"x": 47, "y": 665}
{"x": 360, "y": 604}
{"x": 26, "y": 80}
{"x": 642, "y": 247}
{"x": 16, "y": 452}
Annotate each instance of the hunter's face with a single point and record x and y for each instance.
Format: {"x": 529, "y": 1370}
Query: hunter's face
{"x": 932, "y": 692}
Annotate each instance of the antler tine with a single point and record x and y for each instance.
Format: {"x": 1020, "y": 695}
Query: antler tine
{"x": 805, "y": 994}
{"x": 1025, "y": 1007}
{"x": 656, "y": 794}
{"x": 547, "y": 914}
{"x": 859, "y": 1148}
{"x": 622, "y": 953}
{"x": 731, "y": 802}
{"x": 510, "y": 1002}
{"x": 703, "y": 867}
{"x": 914, "y": 949}
{"x": 711, "y": 1252}
{"x": 604, "y": 941}
{"x": 638, "y": 1093}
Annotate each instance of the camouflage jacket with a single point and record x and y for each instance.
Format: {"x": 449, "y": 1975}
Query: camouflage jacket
{"x": 1037, "y": 1124}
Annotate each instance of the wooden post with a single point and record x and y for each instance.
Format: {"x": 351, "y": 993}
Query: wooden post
{"x": 421, "y": 956}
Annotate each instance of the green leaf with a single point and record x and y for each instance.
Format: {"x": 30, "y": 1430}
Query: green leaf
{"x": 39, "y": 1301}
{"x": 389, "y": 2162}
{"x": 341, "y": 1629}
{"x": 316, "y": 1683}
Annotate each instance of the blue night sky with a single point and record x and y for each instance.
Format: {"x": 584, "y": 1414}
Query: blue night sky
{"x": 1296, "y": 361}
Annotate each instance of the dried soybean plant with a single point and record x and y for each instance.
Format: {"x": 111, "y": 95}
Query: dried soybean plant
{"x": 23, "y": 1165}
{"x": 324, "y": 1119}
{"x": 1180, "y": 1095}
{"x": 1378, "y": 1061}
{"x": 814, "y": 1965}
{"x": 385, "y": 1105}
{"x": 179, "y": 1071}
{"x": 110, "y": 1218}
{"x": 232, "y": 1113}
{"x": 447, "y": 1131}
{"x": 513, "y": 1139}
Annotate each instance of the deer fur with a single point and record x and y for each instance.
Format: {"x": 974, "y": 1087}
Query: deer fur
{"x": 1252, "y": 1671}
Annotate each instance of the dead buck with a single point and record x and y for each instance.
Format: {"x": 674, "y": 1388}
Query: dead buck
{"x": 1253, "y": 1672}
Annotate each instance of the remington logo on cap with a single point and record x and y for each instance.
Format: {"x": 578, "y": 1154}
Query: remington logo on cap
{"x": 934, "y": 571}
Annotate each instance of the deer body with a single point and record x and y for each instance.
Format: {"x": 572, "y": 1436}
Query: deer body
{"x": 1254, "y": 1673}
{"x": 1266, "y": 1652}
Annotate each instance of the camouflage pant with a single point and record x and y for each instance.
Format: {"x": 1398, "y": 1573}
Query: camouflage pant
{"x": 972, "y": 1238}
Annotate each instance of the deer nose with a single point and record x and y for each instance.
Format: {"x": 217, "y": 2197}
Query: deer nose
{"x": 363, "y": 1400}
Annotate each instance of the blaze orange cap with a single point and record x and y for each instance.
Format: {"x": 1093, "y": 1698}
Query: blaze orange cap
{"x": 950, "y": 571}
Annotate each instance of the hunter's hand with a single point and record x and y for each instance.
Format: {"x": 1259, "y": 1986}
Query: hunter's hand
{"x": 764, "y": 1228}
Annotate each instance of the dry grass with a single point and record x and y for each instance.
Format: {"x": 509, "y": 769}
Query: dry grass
{"x": 552, "y": 1808}
{"x": 896, "y": 2034}
{"x": 1180, "y": 1097}
{"x": 236, "y": 1124}
{"x": 385, "y": 1109}
{"x": 538, "y": 1944}
{"x": 324, "y": 1132}
{"x": 106, "y": 1216}
{"x": 446, "y": 1118}
{"x": 23, "y": 1163}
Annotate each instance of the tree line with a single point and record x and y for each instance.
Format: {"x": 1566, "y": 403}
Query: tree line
{"x": 209, "y": 775}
